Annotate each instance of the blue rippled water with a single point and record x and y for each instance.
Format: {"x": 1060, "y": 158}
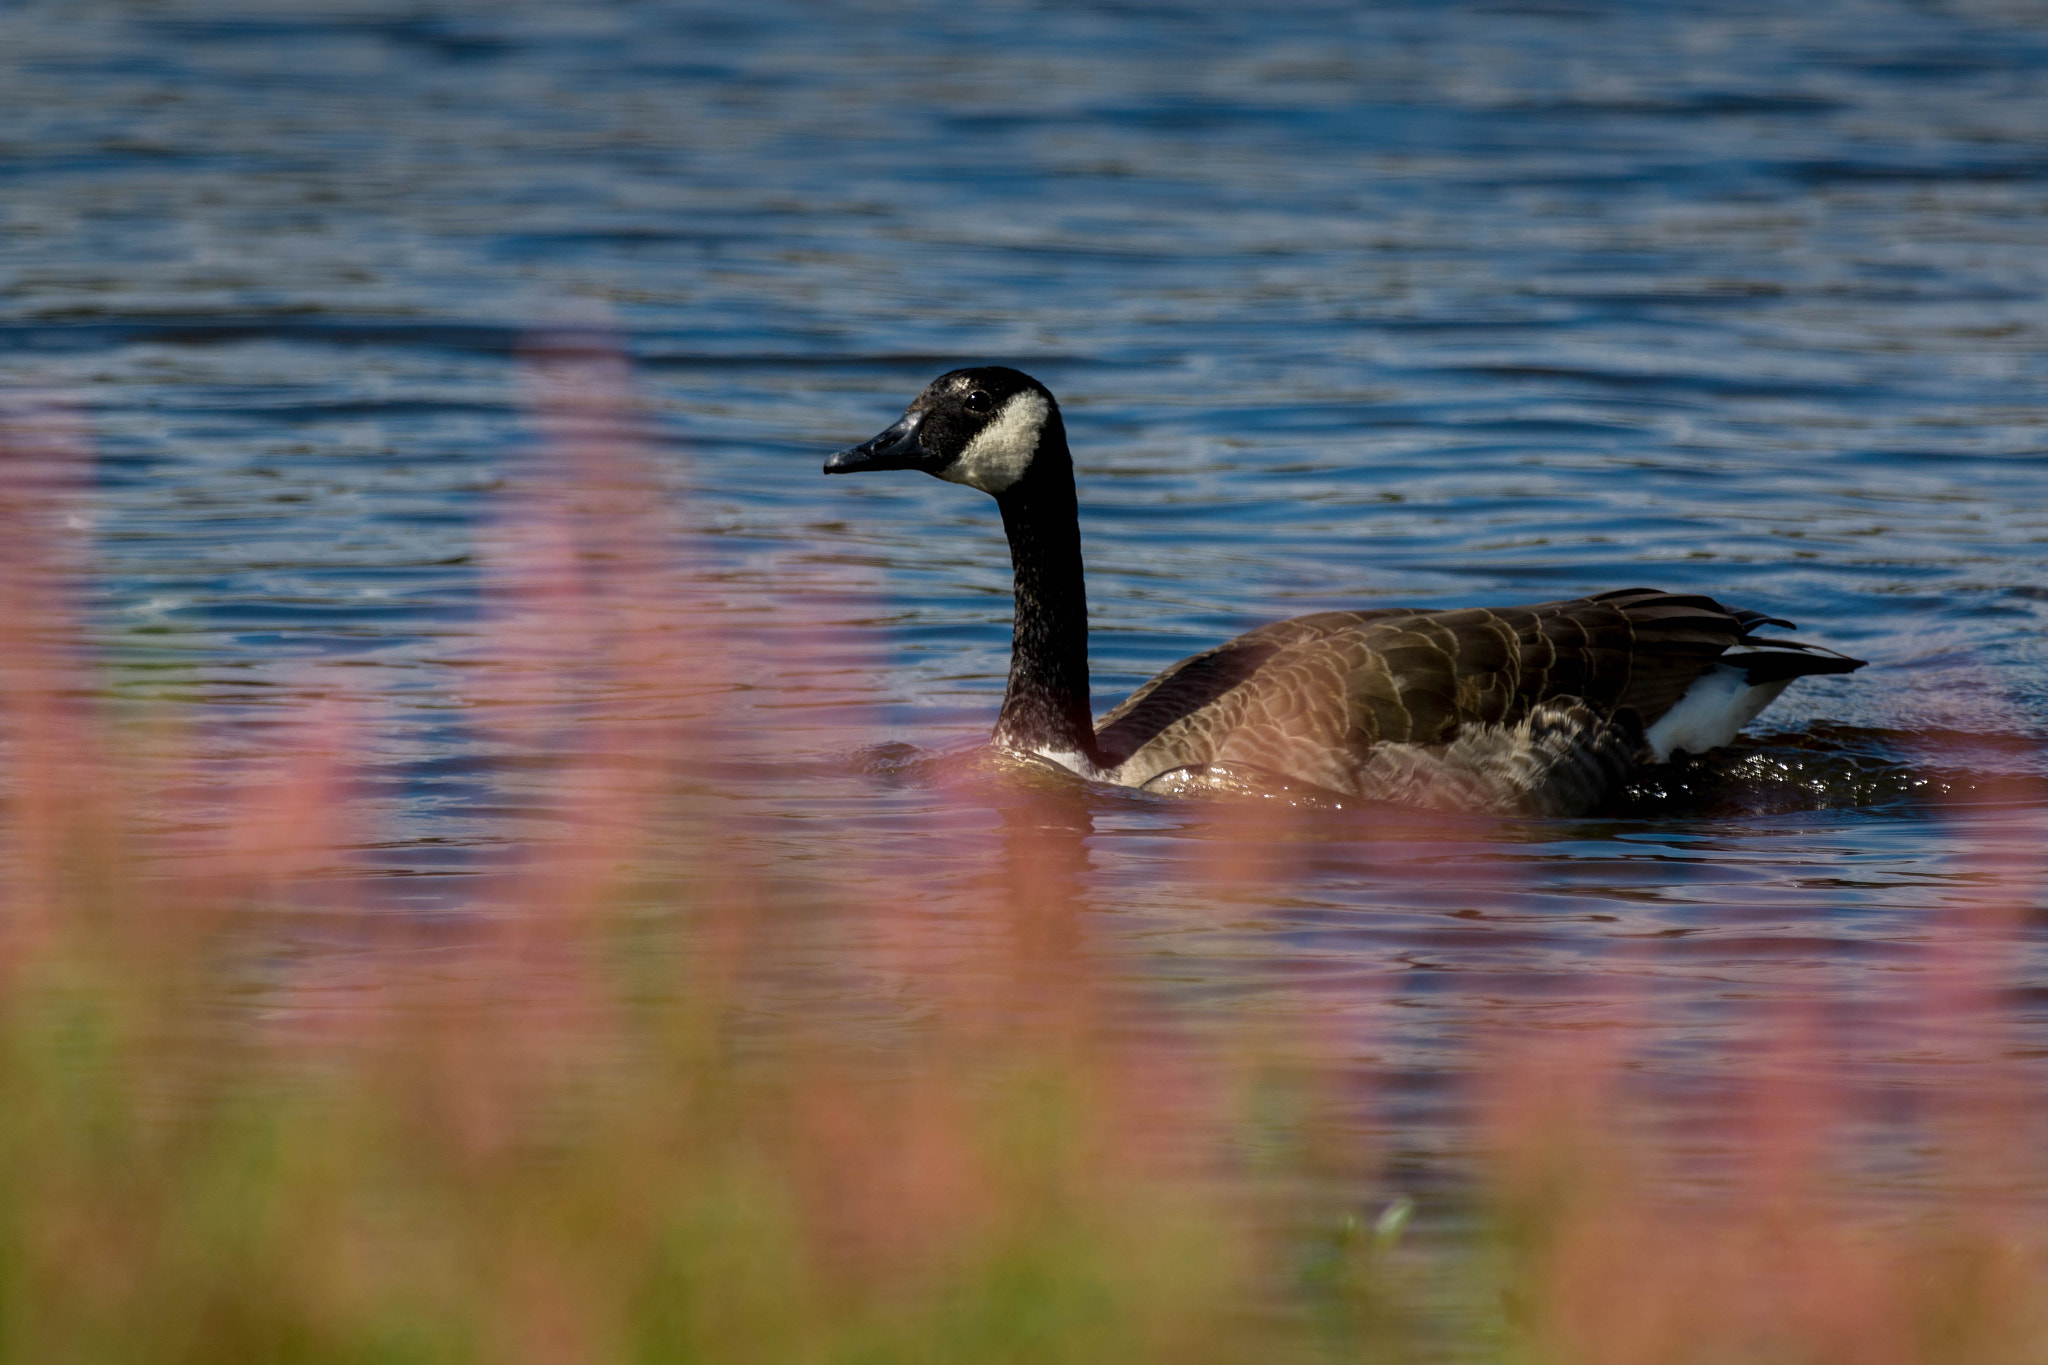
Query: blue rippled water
{"x": 1347, "y": 304}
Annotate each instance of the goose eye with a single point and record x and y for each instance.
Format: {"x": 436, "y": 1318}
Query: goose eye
{"x": 980, "y": 401}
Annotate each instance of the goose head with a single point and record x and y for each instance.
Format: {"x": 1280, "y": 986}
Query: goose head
{"x": 988, "y": 428}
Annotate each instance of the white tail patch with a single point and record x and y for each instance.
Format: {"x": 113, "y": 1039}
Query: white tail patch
{"x": 1001, "y": 451}
{"x": 1718, "y": 704}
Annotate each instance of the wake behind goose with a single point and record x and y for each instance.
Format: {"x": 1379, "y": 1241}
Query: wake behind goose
{"x": 1548, "y": 709}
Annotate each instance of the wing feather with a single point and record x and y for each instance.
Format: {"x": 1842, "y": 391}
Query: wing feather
{"x": 1312, "y": 696}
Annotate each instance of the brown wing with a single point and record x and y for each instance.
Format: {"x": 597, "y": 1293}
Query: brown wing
{"x": 1201, "y": 679}
{"x": 1313, "y": 695}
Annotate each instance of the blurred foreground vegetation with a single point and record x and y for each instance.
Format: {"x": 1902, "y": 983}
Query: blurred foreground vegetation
{"x": 249, "y": 1113}
{"x": 557, "y": 1133}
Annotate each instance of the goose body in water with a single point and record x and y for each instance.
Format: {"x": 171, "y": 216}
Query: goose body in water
{"x": 1547, "y": 709}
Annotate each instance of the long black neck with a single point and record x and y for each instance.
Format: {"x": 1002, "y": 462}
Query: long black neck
{"x": 1046, "y": 707}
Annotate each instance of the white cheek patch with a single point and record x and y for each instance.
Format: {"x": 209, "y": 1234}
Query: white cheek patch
{"x": 998, "y": 456}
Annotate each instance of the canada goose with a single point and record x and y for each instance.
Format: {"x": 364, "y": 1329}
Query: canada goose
{"x": 1545, "y": 709}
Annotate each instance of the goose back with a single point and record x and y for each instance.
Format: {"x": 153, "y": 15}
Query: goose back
{"x": 1312, "y": 697}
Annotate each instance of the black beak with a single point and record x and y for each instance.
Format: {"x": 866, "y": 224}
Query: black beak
{"x": 896, "y": 448}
